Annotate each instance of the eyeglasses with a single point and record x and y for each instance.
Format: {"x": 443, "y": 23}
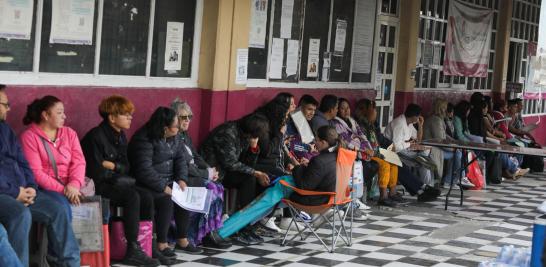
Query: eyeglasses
{"x": 5, "y": 104}
{"x": 185, "y": 118}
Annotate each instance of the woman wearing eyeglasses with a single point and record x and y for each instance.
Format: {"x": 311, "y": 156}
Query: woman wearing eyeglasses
{"x": 157, "y": 160}
{"x": 105, "y": 150}
{"x": 202, "y": 228}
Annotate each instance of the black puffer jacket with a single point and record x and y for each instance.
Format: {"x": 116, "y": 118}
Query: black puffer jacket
{"x": 103, "y": 143}
{"x": 226, "y": 149}
{"x": 197, "y": 166}
{"x": 157, "y": 163}
{"x": 319, "y": 175}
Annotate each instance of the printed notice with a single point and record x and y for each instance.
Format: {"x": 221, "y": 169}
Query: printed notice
{"x": 303, "y": 127}
{"x": 286, "y": 18}
{"x": 313, "y": 58}
{"x": 195, "y": 199}
{"x": 72, "y": 22}
{"x": 242, "y": 66}
{"x": 16, "y": 19}
{"x": 292, "y": 57}
{"x": 364, "y": 32}
{"x": 277, "y": 58}
{"x": 341, "y": 36}
{"x": 173, "y": 45}
{"x": 258, "y": 23}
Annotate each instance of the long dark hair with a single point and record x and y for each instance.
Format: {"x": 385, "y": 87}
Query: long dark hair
{"x": 161, "y": 118}
{"x": 461, "y": 110}
{"x": 254, "y": 125}
{"x": 35, "y": 109}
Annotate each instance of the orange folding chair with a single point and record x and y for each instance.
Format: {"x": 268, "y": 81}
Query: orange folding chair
{"x": 338, "y": 200}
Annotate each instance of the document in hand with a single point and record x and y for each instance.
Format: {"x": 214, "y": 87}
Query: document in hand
{"x": 390, "y": 157}
{"x": 303, "y": 127}
{"x": 529, "y": 127}
{"x": 196, "y": 199}
{"x": 501, "y": 120}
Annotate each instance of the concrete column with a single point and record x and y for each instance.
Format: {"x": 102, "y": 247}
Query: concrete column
{"x": 502, "y": 48}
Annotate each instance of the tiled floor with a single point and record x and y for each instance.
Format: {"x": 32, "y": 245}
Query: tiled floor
{"x": 420, "y": 234}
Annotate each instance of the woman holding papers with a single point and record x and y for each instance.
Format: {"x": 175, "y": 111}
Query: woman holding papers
{"x": 105, "y": 151}
{"x": 157, "y": 159}
{"x": 202, "y": 228}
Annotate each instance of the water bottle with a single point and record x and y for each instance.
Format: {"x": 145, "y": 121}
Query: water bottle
{"x": 506, "y": 254}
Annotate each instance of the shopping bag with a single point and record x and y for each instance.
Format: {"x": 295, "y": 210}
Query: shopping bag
{"x": 118, "y": 242}
{"x": 474, "y": 173}
{"x": 101, "y": 258}
{"x": 357, "y": 180}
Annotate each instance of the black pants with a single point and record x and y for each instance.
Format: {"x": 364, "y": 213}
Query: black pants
{"x": 137, "y": 204}
{"x": 411, "y": 182}
{"x": 182, "y": 220}
{"x": 245, "y": 185}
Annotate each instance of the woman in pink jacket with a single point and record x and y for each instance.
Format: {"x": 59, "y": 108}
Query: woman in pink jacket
{"x": 46, "y": 118}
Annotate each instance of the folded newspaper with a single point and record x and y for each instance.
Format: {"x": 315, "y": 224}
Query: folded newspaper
{"x": 196, "y": 199}
{"x": 391, "y": 157}
{"x": 303, "y": 127}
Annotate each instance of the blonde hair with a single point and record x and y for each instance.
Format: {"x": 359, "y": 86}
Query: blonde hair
{"x": 440, "y": 108}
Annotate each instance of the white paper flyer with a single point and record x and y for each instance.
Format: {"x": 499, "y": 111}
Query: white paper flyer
{"x": 72, "y": 22}
{"x": 174, "y": 38}
{"x": 16, "y": 19}
{"x": 258, "y": 23}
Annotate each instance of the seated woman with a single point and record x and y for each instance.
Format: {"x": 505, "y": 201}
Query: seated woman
{"x": 53, "y": 151}
{"x": 354, "y": 138}
{"x": 318, "y": 175}
{"x": 105, "y": 150}
{"x": 202, "y": 228}
{"x": 157, "y": 158}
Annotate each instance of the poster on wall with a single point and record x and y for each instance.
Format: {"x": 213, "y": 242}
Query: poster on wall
{"x": 468, "y": 40}
{"x": 173, "y": 45}
{"x": 292, "y": 57}
{"x": 286, "y": 18}
{"x": 258, "y": 23}
{"x": 341, "y": 36}
{"x": 16, "y": 19}
{"x": 72, "y": 22}
{"x": 364, "y": 33}
{"x": 277, "y": 58}
{"x": 313, "y": 58}
{"x": 242, "y": 66}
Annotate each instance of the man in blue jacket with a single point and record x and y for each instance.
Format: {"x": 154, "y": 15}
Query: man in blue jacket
{"x": 21, "y": 201}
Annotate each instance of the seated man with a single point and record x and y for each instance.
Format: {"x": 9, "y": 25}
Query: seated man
{"x": 318, "y": 175}
{"x": 405, "y": 139}
{"x": 366, "y": 115}
{"x": 327, "y": 111}
{"x": 517, "y": 124}
{"x": 20, "y": 199}
{"x": 9, "y": 258}
{"x": 298, "y": 149}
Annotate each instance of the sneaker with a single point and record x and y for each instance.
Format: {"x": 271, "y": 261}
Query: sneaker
{"x": 189, "y": 249}
{"x": 213, "y": 240}
{"x": 358, "y": 215}
{"x": 387, "y": 202}
{"x": 433, "y": 191}
{"x": 243, "y": 238}
{"x": 251, "y": 233}
{"x": 136, "y": 257}
{"x": 428, "y": 195}
{"x": 361, "y": 205}
{"x": 270, "y": 224}
{"x": 168, "y": 252}
{"x": 287, "y": 222}
{"x": 521, "y": 172}
{"x": 466, "y": 183}
{"x": 454, "y": 187}
{"x": 305, "y": 216}
{"x": 328, "y": 214}
{"x": 164, "y": 260}
{"x": 398, "y": 198}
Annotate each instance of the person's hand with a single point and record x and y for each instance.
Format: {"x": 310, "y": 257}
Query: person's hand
{"x": 73, "y": 194}
{"x": 313, "y": 148}
{"x": 32, "y": 192}
{"x": 168, "y": 191}
{"x": 290, "y": 167}
{"x": 370, "y": 152}
{"x": 24, "y": 196}
{"x": 108, "y": 165}
{"x": 283, "y": 129}
{"x": 420, "y": 121}
{"x": 253, "y": 142}
{"x": 262, "y": 178}
{"x": 304, "y": 161}
{"x": 415, "y": 146}
{"x": 182, "y": 185}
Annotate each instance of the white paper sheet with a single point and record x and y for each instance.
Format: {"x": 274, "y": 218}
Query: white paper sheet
{"x": 341, "y": 36}
{"x": 277, "y": 58}
{"x": 192, "y": 198}
{"x": 286, "y": 18}
{"x": 391, "y": 157}
{"x": 303, "y": 127}
{"x": 72, "y": 22}
{"x": 258, "y": 23}
{"x": 313, "y": 61}
{"x": 16, "y": 19}
{"x": 174, "y": 39}
{"x": 529, "y": 127}
{"x": 242, "y": 66}
{"x": 292, "y": 57}
{"x": 363, "y": 32}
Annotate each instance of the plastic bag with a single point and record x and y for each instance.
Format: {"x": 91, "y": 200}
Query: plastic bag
{"x": 474, "y": 173}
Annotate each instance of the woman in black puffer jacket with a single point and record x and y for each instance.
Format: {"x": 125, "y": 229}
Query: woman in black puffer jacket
{"x": 157, "y": 160}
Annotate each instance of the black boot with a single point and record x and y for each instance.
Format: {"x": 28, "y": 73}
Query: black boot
{"x": 136, "y": 257}
{"x": 214, "y": 240}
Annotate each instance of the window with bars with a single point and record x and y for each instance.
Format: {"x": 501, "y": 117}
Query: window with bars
{"x": 431, "y": 48}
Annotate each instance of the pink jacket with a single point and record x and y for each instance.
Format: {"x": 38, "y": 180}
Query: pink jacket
{"x": 66, "y": 151}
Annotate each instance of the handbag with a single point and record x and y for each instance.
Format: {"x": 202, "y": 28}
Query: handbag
{"x": 474, "y": 173}
{"x": 88, "y": 187}
{"x": 118, "y": 242}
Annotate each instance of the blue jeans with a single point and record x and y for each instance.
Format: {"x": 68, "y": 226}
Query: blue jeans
{"x": 61, "y": 199}
{"x": 453, "y": 165}
{"x": 8, "y": 258}
{"x": 508, "y": 164}
{"x": 16, "y": 219}
{"x": 47, "y": 211}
